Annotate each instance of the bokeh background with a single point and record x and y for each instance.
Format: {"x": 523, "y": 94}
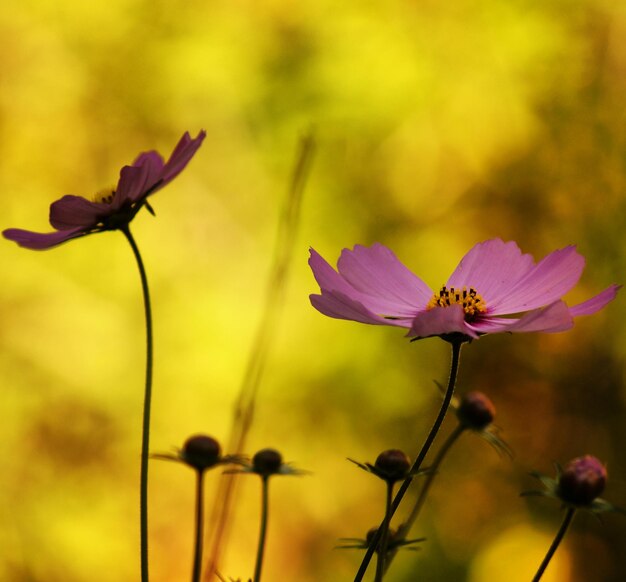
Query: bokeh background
{"x": 438, "y": 124}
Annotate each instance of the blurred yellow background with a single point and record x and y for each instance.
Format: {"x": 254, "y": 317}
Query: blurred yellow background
{"x": 438, "y": 124}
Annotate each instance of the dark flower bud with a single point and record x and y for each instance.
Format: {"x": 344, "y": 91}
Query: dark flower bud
{"x": 371, "y": 534}
{"x": 392, "y": 465}
{"x": 476, "y": 411}
{"x": 201, "y": 452}
{"x": 582, "y": 480}
{"x": 267, "y": 462}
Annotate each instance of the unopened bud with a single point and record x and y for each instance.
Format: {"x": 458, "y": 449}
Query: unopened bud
{"x": 371, "y": 534}
{"x": 392, "y": 465}
{"x": 476, "y": 411}
{"x": 267, "y": 462}
{"x": 201, "y": 452}
{"x": 582, "y": 480}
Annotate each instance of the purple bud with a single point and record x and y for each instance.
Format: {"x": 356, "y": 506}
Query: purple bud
{"x": 371, "y": 534}
{"x": 476, "y": 411}
{"x": 582, "y": 480}
{"x": 201, "y": 452}
{"x": 267, "y": 462}
{"x": 392, "y": 465}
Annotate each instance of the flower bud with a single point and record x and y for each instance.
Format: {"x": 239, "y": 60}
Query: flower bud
{"x": 582, "y": 480}
{"x": 476, "y": 411}
{"x": 267, "y": 462}
{"x": 392, "y": 465}
{"x": 201, "y": 452}
{"x": 371, "y": 534}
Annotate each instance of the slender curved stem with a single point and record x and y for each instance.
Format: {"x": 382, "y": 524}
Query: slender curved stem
{"x": 555, "y": 544}
{"x": 454, "y": 368}
{"x": 384, "y": 540}
{"x": 405, "y": 527}
{"x": 263, "y": 531}
{"x": 145, "y": 433}
{"x": 197, "y": 554}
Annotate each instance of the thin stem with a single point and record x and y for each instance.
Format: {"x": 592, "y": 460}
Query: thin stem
{"x": 197, "y": 554}
{"x": 145, "y": 433}
{"x": 263, "y": 531}
{"x": 384, "y": 540}
{"x": 454, "y": 368}
{"x": 555, "y": 544}
{"x": 405, "y": 528}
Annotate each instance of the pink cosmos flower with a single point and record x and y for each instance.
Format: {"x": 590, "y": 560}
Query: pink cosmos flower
{"x": 75, "y": 216}
{"x": 494, "y": 289}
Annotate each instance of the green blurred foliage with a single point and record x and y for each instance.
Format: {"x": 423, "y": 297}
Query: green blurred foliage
{"x": 438, "y": 125}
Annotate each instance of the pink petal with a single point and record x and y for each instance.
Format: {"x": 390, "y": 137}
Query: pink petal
{"x": 152, "y": 164}
{"x": 340, "y": 306}
{"x": 131, "y": 186}
{"x": 183, "y": 152}
{"x": 440, "y": 321}
{"x": 377, "y": 272}
{"x": 544, "y": 284}
{"x": 553, "y": 318}
{"x": 329, "y": 280}
{"x": 148, "y": 173}
{"x": 40, "y": 241}
{"x": 487, "y": 324}
{"x": 152, "y": 159}
{"x": 491, "y": 267}
{"x": 595, "y": 303}
{"x": 71, "y": 211}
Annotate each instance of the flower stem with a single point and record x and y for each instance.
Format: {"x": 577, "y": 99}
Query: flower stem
{"x": 145, "y": 433}
{"x": 197, "y": 554}
{"x": 555, "y": 544}
{"x": 405, "y": 528}
{"x": 263, "y": 531}
{"x": 384, "y": 540}
{"x": 454, "y": 368}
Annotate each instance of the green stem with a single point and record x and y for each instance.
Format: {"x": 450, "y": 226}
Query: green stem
{"x": 145, "y": 433}
{"x": 454, "y": 368}
{"x": 405, "y": 528}
{"x": 384, "y": 540}
{"x": 263, "y": 532}
{"x": 197, "y": 554}
{"x": 555, "y": 544}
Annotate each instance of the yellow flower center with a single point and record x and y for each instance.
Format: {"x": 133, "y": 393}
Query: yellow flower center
{"x": 473, "y": 304}
{"x": 104, "y": 196}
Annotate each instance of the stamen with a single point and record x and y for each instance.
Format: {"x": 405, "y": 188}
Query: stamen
{"x": 104, "y": 196}
{"x": 472, "y": 302}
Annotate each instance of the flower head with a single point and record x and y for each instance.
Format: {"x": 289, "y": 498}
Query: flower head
{"x": 476, "y": 413}
{"x": 267, "y": 462}
{"x": 494, "y": 289}
{"x": 582, "y": 480}
{"x": 391, "y": 466}
{"x": 200, "y": 452}
{"x": 395, "y": 542}
{"x": 578, "y": 485}
{"x": 75, "y": 216}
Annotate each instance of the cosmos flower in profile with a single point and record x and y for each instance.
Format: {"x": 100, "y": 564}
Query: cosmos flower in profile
{"x": 75, "y": 216}
{"x": 495, "y": 288}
